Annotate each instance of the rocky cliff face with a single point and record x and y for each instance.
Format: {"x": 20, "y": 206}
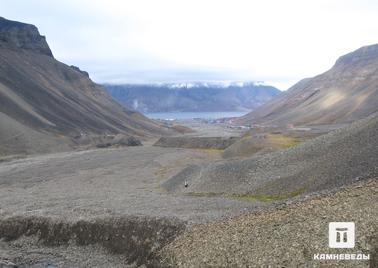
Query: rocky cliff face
{"x": 46, "y": 105}
{"x": 17, "y": 35}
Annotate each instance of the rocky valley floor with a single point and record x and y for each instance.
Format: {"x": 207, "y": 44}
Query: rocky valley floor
{"x": 108, "y": 208}
{"x": 108, "y": 182}
{"x": 103, "y": 184}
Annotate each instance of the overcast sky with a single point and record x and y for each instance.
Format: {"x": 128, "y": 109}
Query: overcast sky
{"x": 136, "y": 41}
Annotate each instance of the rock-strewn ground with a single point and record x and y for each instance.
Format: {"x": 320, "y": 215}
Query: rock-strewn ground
{"x": 287, "y": 236}
{"x": 217, "y": 143}
{"x": 45, "y": 199}
{"x": 108, "y": 182}
{"x": 39, "y": 241}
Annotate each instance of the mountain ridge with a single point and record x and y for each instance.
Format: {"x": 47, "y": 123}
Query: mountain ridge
{"x": 18, "y": 35}
{"x": 53, "y": 101}
{"x": 193, "y": 96}
{"x": 343, "y": 94}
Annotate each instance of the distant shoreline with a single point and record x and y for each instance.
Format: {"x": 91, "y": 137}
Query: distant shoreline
{"x": 193, "y": 115}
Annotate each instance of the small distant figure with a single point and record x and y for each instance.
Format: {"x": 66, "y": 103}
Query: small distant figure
{"x": 186, "y": 184}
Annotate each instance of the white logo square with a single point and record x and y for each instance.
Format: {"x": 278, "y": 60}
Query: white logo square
{"x": 341, "y": 235}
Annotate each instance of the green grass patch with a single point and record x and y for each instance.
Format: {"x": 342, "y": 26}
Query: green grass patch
{"x": 250, "y": 197}
{"x": 7, "y": 158}
{"x": 212, "y": 151}
{"x": 206, "y": 194}
{"x": 282, "y": 141}
{"x": 254, "y": 197}
{"x": 266, "y": 198}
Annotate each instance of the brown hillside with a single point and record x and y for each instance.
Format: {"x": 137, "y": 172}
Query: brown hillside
{"x": 44, "y": 99}
{"x": 345, "y": 93}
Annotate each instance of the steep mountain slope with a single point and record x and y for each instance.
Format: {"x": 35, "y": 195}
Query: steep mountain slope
{"x": 332, "y": 160}
{"x": 347, "y": 92}
{"x": 51, "y": 101}
{"x": 194, "y": 97}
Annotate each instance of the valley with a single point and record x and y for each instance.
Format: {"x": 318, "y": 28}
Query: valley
{"x": 121, "y": 186}
{"x": 108, "y": 182}
{"x": 88, "y": 180}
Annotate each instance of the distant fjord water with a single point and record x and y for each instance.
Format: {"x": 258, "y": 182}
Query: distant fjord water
{"x": 193, "y": 115}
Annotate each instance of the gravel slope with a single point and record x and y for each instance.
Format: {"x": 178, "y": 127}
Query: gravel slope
{"x": 287, "y": 236}
{"x": 345, "y": 93}
{"x": 326, "y": 162}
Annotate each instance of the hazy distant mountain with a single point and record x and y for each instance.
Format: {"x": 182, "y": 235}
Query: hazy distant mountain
{"x": 44, "y": 103}
{"x": 347, "y": 92}
{"x": 192, "y": 97}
